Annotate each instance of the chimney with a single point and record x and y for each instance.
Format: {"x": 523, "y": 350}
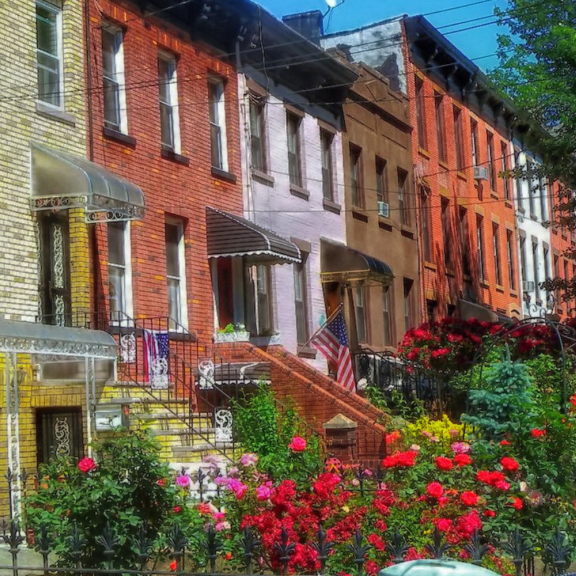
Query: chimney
{"x": 309, "y": 24}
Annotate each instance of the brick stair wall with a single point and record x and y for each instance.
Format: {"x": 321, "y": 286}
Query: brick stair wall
{"x": 317, "y": 397}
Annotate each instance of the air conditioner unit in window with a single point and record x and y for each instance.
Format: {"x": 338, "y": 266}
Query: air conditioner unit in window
{"x": 527, "y": 286}
{"x": 383, "y": 209}
{"x": 480, "y": 173}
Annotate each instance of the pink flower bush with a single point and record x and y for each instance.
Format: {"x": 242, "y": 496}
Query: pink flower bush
{"x": 249, "y": 459}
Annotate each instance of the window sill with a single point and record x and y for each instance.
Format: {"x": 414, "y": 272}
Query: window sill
{"x": 462, "y": 176}
{"x": 407, "y": 230}
{"x": 508, "y": 204}
{"x": 224, "y": 175}
{"x": 500, "y": 288}
{"x": 112, "y": 134}
{"x": 169, "y": 154}
{"x": 450, "y": 272}
{"x": 494, "y": 195}
{"x": 385, "y": 223}
{"x": 307, "y": 352}
{"x": 484, "y": 284}
{"x": 424, "y": 153}
{"x": 443, "y": 165}
{"x": 513, "y": 293}
{"x": 359, "y": 214}
{"x": 55, "y": 114}
{"x": 430, "y": 266}
{"x": 299, "y": 192}
{"x": 331, "y": 206}
{"x": 262, "y": 177}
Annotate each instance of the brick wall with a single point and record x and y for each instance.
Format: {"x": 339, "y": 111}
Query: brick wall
{"x": 170, "y": 188}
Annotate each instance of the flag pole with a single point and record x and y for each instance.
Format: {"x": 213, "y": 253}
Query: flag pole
{"x": 338, "y": 308}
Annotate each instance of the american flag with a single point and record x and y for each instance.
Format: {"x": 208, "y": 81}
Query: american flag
{"x": 332, "y": 341}
{"x": 156, "y": 357}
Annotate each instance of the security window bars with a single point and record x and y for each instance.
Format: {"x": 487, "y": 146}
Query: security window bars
{"x": 168, "y": 95}
{"x": 496, "y": 253}
{"x": 294, "y": 154}
{"x": 403, "y": 198}
{"x": 327, "y": 170}
{"x": 301, "y": 301}
{"x": 49, "y": 53}
{"x": 119, "y": 276}
{"x": 175, "y": 274}
{"x": 420, "y": 113}
{"x": 356, "y": 176}
{"x": 113, "y": 79}
{"x": 257, "y": 135}
{"x": 218, "y": 146}
{"x": 440, "y": 135}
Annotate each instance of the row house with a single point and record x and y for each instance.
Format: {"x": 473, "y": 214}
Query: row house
{"x": 485, "y": 241}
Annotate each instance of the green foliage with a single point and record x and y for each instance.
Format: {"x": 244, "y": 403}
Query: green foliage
{"x": 395, "y": 403}
{"x": 505, "y": 402}
{"x": 266, "y": 430}
{"x": 123, "y": 490}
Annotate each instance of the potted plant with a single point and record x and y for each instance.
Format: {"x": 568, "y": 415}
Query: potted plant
{"x": 232, "y": 333}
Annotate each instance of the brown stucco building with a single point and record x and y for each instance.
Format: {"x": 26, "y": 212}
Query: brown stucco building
{"x": 380, "y": 212}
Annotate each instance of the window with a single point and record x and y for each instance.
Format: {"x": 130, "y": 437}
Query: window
{"x": 536, "y": 264}
{"x": 518, "y": 179}
{"x": 420, "y": 113}
{"x": 496, "y": 253}
{"x": 426, "y": 225}
{"x": 387, "y": 314}
{"x": 259, "y": 299}
{"x": 431, "y": 311}
{"x": 294, "y": 154}
{"x": 505, "y": 170}
{"x": 403, "y": 198}
{"x": 218, "y": 147}
{"x": 408, "y": 305}
{"x": 168, "y": 92}
{"x": 327, "y": 170}
{"x": 480, "y": 247}
{"x": 557, "y": 275}
{"x": 119, "y": 271}
{"x": 175, "y": 275}
{"x": 547, "y": 267}
{"x": 543, "y": 190}
{"x": 464, "y": 241}
{"x": 523, "y": 259}
{"x": 356, "y": 176}
{"x": 474, "y": 133}
{"x": 491, "y": 165}
{"x": 567, "y": 278}
{"x": 257, "y": 136}
{"x": 446, "y": 233}
{"x": 301, "y": 300}
{"x": 531, "y": 190}
{"x": 440, "y": 136}
{"x": 49, "y": 53}
{"x": 360, "y": 313}
{"x": 510, "y": 256}
{"x": 460, "y": 160}
{"x": 113, "y": 79}
{"x": 381, "y": 186}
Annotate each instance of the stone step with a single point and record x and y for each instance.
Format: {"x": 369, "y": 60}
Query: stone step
{"x": 185, "y": 432}
{"x": 201, "y": 447}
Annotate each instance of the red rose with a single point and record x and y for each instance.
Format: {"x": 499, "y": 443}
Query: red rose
{"x": 489, "y": 513}
{"x": 376, "y": 541}
{"x": 173, "y": 566}
{"x": 509, "y": 464}
{"x": 444, "y": 463}
{"x": 469, "y": 498}
{"x": 536, "y": 433}
{"x": 406, "y": 459}
{"x": 443, "y": 524}
{"x": 389, "y": 462}
{"x": 87, "y": 465}
{"x": 505, "y": 443}
{"x": 435, "y": 489}
{"x": 462, "y": 460}
{"x": 298, "y": 444}
{"x": 517, "y": 503}
{"x": 177, "y": 509}
{"x": 502, "y": 485}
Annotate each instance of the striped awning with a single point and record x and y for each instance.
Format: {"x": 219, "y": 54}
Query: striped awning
{"x": 231, "y": 236}
{"x": 340, "y": 263}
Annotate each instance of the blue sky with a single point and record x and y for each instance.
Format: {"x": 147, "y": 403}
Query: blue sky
{"x": 474, "y": 43}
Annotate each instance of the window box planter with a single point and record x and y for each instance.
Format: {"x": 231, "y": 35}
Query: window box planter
{"x": 236, "y": 336}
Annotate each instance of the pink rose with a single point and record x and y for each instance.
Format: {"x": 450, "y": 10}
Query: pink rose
{"x": 263, "y": 492}
{"x": 87, "y": 465}
{"x": 460, "y": 447}
{"x": 298, "y": 444}
{"x": 249, "y": 459}
{"x": 183, "y": 481}
{"x": 222, "y": 526}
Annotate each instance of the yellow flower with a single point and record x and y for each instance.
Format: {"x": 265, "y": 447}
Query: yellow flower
{"x": 345, "y": 509}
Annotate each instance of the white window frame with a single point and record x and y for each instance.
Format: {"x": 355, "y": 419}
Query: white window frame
{"x": 172, "y": 82}
{"x": 220, "y": 86}
{"x": 119, "y": 77}
{"x": 183, "y": 320}
{"x": 56, "y": 9}
{"x": 129, "y": 312}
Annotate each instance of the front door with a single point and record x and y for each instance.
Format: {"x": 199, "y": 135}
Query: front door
{"x": 54, "y": 272}
{"x": 59, "y": 434}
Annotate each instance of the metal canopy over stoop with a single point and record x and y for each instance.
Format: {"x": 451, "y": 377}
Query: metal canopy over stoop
{"x": 340, "y": 263}
{"x": 46, "y": 344}
{"x": 61, "y": 180}
{"x": 231, "y": 236}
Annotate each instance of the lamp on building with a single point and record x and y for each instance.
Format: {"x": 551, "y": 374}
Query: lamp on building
{"x": 332, "y": 4}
